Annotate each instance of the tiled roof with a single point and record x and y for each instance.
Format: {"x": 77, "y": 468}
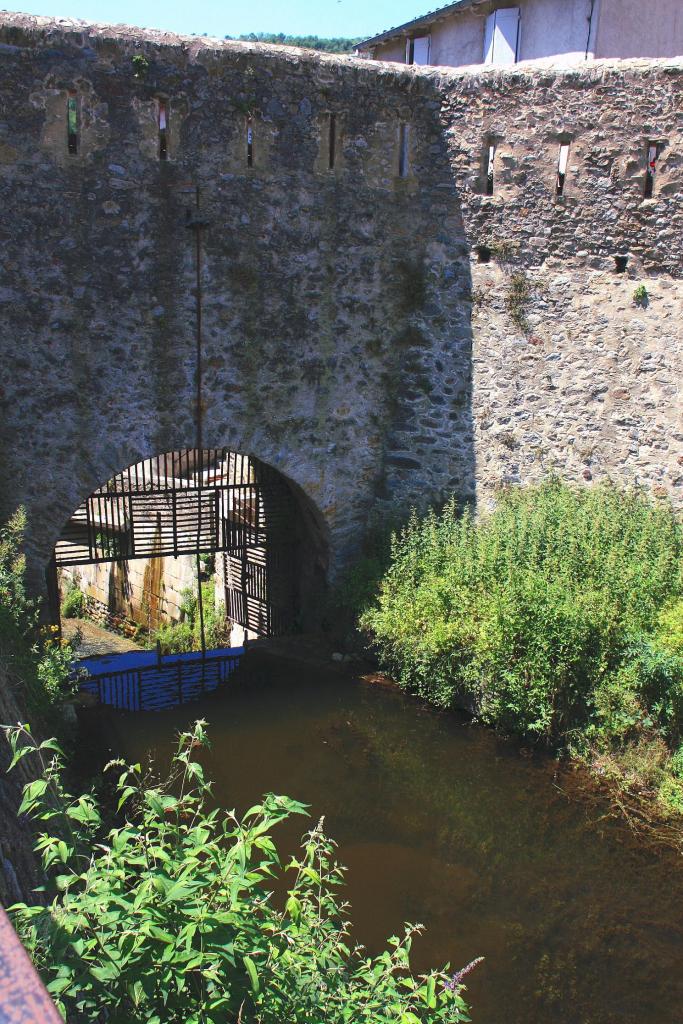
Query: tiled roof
{"x": 424, "y": 19}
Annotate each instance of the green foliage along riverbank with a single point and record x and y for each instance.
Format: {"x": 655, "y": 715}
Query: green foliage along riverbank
{"x": 558, "y": 617}
{"x": 168, "y": 916}
{"x": 34, "y": 661}
{"x": 158, "y": 908}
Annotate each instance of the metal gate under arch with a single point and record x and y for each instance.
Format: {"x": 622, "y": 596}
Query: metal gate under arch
{"x": 199, "y": 501}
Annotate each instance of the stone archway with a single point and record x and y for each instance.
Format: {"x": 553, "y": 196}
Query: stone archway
{"x": 267, "y": 539}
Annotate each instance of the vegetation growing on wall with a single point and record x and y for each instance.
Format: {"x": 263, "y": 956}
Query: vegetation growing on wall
{"x": 177, "y": 637}
{"x": 560, "y": 616}
{"x": 517, "y": 300}
{"x": 73, "y": 605}
{"x": 169, "y": 915}
{"x": 37, "y": 663}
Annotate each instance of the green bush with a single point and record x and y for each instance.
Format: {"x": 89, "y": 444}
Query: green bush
{"x": 669, "y": 630}
{"x": 179, "y": 637}
{"x": 169, "y": 918}
{"x": 73, "y": 605}
{"x": 37, "y": 663}
{"x": 546, "y": 613}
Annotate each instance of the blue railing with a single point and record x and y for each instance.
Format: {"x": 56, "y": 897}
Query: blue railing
{"x": 142, "y": 681}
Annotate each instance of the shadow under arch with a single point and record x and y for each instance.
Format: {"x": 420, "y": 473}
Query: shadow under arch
{"x": 269, "y": 539}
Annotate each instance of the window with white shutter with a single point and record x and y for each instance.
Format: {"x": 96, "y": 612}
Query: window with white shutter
{"x": 417, "y": 50}
{"x": 501, "y": 36}
{"x": 421, "y": 50}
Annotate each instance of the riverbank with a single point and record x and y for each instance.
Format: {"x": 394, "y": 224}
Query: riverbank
{"x": 558, "y": 618}
{"x": 484, "y": 840}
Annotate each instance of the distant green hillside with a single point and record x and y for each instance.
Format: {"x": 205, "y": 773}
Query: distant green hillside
{"x": 340, "y": 45}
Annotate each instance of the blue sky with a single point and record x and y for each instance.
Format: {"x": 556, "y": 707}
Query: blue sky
{"x": 227, "y": 17}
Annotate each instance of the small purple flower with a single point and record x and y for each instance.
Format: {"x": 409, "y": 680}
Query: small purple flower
{"x": 457, "y": 979}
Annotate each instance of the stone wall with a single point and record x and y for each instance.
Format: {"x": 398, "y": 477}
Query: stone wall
{"x": 582, "y": 381}
{"x": 147, "y": 591}
{"x": 335, "y": 343}
{"x": 350, "y": 335}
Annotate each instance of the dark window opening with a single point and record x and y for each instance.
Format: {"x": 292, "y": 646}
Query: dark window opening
{"x": 163, "y": 130}
{"x": 490, "y": 162}
{"x": 653, "y": 151}
{"x": 562, "y": 162}
{"x": 403, "y": 151}
{"x": 250, "y": 143}
{"x": 72, "y": 123}
{"x": 620, "y": 264}
{"x": 483, "y": 253}
{"x": 410, "y": 51}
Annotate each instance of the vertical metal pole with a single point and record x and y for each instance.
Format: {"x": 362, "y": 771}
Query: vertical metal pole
{"x": 200, "y": 606}
{"x": 198, "y": 305}
{"x": 198, "y": 285}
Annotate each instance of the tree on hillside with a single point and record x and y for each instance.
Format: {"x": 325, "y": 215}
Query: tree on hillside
{"x": 336, "y": 45}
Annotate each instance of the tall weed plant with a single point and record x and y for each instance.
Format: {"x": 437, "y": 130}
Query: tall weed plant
{"x": 558, "y": 615}
{"x": 168, "y": 916}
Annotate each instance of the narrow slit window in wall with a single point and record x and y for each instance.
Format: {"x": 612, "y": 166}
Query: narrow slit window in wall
{"x": 653, "y": 151}
{"x": 250, "y": 143}
{"x": 163, "y": 130}
{"x": 332, "y": 142}
{"x": 403, "y": 151}
{"x": 562, "y": 168}
{"x": 72, "y": 123}
{"x": 490, "y": 161}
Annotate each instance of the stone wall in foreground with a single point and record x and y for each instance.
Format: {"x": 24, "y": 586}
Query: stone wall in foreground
{"x": 374, "y": 325}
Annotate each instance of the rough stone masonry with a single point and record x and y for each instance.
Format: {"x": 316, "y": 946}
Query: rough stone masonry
{"x": 374, "y": 324}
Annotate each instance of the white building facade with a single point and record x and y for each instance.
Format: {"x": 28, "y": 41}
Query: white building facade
{"x": 496, "y": 32}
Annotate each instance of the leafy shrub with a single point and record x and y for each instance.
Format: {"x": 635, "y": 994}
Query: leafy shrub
{"x": 179, "y": 637}
{"x": 34, "y": 658}
{"x": 640, "y": 296}
{"x": 532, "y": 611}
{"x": 73, "y": 605}
{"x": 669, "y": 630}
{"x": 169, "y": 917}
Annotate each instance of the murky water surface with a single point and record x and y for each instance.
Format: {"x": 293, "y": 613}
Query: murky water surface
{"x": 444, "y": 824}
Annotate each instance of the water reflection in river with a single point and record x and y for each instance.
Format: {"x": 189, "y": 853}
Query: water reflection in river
{"x": 444, "y": 824}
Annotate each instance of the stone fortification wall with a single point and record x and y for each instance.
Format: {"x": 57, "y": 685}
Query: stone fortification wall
{"x": 335, "y": 344}
{"x": 570, "y": 374}
{"x": 374, "y": 325}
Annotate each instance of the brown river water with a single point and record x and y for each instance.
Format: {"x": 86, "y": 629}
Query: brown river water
{"x": 443, "y": 823}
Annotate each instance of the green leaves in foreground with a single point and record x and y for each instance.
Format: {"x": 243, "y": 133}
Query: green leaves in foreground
{"x": 169, "y": 918}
